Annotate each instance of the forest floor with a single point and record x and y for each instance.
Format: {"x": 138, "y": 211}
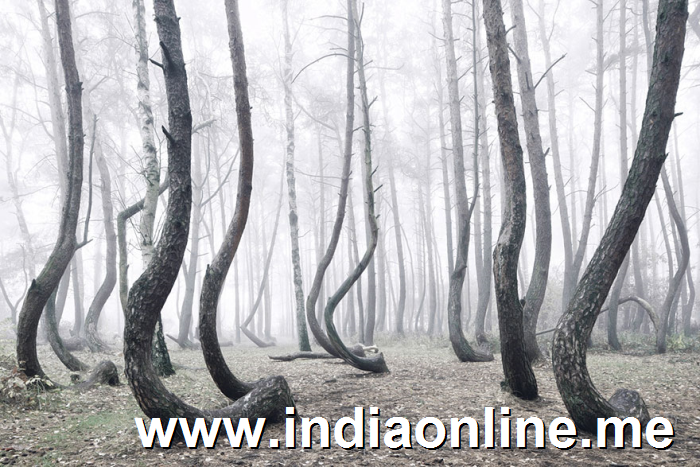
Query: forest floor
{"x": 426, "y": 380}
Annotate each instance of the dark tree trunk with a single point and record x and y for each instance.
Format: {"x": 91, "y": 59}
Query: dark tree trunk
{"x": 43, "y": 286}
{"x": 519, "y": 377}
{"x": 583, "y": 402}
{"x": 461, "y": 347}
{"x": 150, "y": 291}
{"x": 538, "y": 167}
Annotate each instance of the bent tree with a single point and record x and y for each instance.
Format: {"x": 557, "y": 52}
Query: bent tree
{"x": 519, "y": 377}
{"x": 151, "y": 289}
{"x": 47, "y": 281}
{"x": 375, "y": 363}
{"x": 583, "y": 402}
{"x": 461, "y": 347}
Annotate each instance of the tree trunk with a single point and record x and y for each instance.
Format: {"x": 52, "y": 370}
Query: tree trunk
{"x": 371, "y": 227}
{"x": 613, "y": 341}
{"x": 461, "y": 347}
{"x": 401, "y": 307}
{"x": 484, "y": 292}
{"x": 150, "y": 291}
{"x": 151, "y": 174}
{"x": 676, "y": 280}
{"x": 43, "y": 286}
{"x": 583, "y": 402}
{"x": 263, "y": 280}
{"x": 519, "y": 377}
{"x": 302, "y": 332}
{"x": 538, "y": 167}
{"x": 92, "y": 336}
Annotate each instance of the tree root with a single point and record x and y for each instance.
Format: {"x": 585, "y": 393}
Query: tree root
{"x": 105, "y": 372}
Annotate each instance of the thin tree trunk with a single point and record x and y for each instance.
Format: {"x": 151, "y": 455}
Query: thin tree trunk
{"x": 302, "y": 332}
{"x": 401, "y": 307}
{"x": 519, "y": 377}
{"x": 676, "y": 280}
{"x": 461, "y": 347}
{"x": 613, "y": 341}
{"x": 92, "y": 336}
{"x": 538, "y": 167}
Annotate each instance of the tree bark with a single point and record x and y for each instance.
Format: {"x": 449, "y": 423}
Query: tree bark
{"x": 150, "y": 291}
{"x": 302, "y": 333}
{"x": 583, "y": 402}
{"x": 613, "y": 340}
{"x": 43, "y": 286}
{"x": 401, "y": 306}
{"x": 538, "y": 168}
{"x": 461, "y": 347}
{"x": 92, "y": 336}
{"x": 519, "y": 377}
{"x": 676, "y": 280}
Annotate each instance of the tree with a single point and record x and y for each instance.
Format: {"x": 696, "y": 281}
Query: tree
{"x": 538, "y": 168}
{"x": 151, "y": 174}
{"x": 375, "y": 363}
{"x": 519, "y": 377}
{"x": 583, "y": 402}
{"x": 149, "y": 292}
{"x": 461, "y": 347}
{"x": 302, "y": 332}
{"x": 48, "y": 279}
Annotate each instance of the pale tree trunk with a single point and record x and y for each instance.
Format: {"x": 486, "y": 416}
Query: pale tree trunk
{"x": 571, "y": 278}
{"x": 583, "y": 402}
{"x": 519, "y": 377}
{"x": 368, "y": 195}
{"x": 484, "y": 292}
{"x": 267, "y": 252}
{"x": 92, "y": 336}
{"x": 460, "y": 345}
{"x": 556, "y": 157}
{"x": 8, "y": 131}
{"x": 302, "y": 332}
{"x": 613, "y": 340}
{"x": 46, "y": 282}
{"x": 381, "y": 275}
{"x": 354, "y": 259}
{"x": 401, "y": 306}
{"x": 676, "y": 280}
{"x": 538, "y": 169}
{"x": 150, "y": 291}
{"x": 144, "y": 112}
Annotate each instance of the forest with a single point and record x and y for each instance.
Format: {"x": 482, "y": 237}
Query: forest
{"x": 463, "y": 227}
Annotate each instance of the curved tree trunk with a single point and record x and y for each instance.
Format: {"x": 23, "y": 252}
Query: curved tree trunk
{"x": 150, "y": 291}
{"x": 538, "y": 168}
{"x": 91, "y": 334}
{"x": 676, "y": 280}
{"x": 583, "y": 402}
{"x": 461, "y": 347}
{"x": 325, "y": 261}
{"x": 263, "y": 281}
{"x": 43, "y": 286}
{"x": 376, "y": 363}
{"x": 519, "y": 377}
{"x": 69, "y": 360}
